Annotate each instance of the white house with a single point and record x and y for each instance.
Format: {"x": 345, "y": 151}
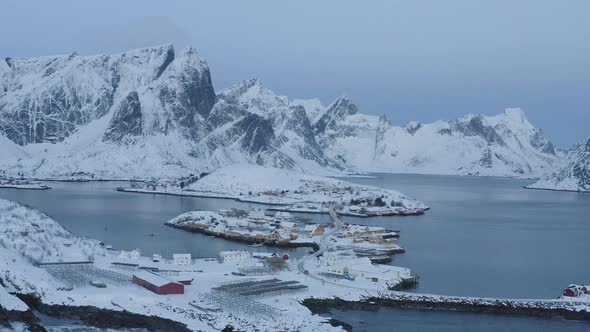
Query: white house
{"x": 333, "y": 257}
{"x": 182, "y": 259}
{"x": 256, "y": 214}
{"x": 378, "y": 271}
{"x": 133, "y": 254}
{"x": 234, "y": 256}
{"x": 347, "y": 263}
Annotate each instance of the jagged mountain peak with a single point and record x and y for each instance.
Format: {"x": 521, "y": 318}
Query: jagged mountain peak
{"x": 574, "y": 173}
{"x": 337, "y": 111}
{"x": 252, "y": 95}
{"x": 516, "y": 114}
{"x": 155, "y": 110}
{"x": 47, "y": 99}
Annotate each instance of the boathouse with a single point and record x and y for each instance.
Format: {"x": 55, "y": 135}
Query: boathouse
{"x": 576, "y": 290}
{"x": 157, "y": 283}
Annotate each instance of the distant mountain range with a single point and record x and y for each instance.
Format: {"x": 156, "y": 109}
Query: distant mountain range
{"x": 153, "y": 112}
{"x": 573, "y": 175}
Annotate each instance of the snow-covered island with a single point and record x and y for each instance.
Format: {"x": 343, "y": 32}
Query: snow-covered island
{"x": 12, "y": 183}
{"x": 289, "y": 191}
{"x": 283, "y": 230}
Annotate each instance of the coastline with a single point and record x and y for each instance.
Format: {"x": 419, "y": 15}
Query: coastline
{"x": 415, "y": 301}
{"x": 558, "y": 190}
{"x": 294, "y": 210}
{"x": 247, "y": 239}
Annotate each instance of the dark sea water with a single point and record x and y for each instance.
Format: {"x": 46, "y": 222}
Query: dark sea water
{"x": 128, "y": 220}
{"x": 482, "y": 237}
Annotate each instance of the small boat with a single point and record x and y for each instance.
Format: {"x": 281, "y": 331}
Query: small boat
{"x": 256, "y": 245}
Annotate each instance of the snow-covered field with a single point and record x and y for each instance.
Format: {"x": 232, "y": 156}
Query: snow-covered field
{"x": 293, "y": 191}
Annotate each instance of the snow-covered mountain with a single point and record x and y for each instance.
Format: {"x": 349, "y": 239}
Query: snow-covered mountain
{"x": 143, "y": 113}
{"x": 154, "y": 113}
{"x": 574, "y": 175}
{"x": 502, "y": 145}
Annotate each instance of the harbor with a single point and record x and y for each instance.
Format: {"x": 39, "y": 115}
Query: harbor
{"x": 286, "y": 231}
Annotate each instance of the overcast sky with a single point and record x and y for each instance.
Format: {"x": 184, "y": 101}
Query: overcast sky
{"x": 410, "y": 60}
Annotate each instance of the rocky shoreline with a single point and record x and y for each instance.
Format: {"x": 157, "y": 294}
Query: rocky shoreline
{"x": 102, "y": 318}
{"x": 558, "y": 190}
{"x": 7, "y": 317}
{"x": 323, "y": 306}
{"x": 247, "y": 239}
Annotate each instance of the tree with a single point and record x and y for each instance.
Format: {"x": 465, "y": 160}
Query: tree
{"x": 379, "y": 202}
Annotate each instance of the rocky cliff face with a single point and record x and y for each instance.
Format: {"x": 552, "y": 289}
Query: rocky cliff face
{"x": 574, "y": 175}
{"x": 45, "y": 100}
{"x": 502, "y": 145}
{"x": 153, "y": 112}
{"x": 142, "y": 113}
{"x": 267, "y": 127}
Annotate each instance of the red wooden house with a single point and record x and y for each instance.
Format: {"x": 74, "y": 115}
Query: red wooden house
{"x": 157, "y": 283}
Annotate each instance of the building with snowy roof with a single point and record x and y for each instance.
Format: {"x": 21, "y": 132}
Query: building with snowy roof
{"x": 347, "y": 263}
{"x": 182, "y": 259}
{"x": 314, "y": 229}
{"x": 256, "y": 214}
{"x": 133, "y": 254}
{"x": 157, "y": 283}
{"x": 234, "y": 256}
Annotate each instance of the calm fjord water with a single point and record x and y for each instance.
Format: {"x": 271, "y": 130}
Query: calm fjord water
{"x": 482, "y": 237}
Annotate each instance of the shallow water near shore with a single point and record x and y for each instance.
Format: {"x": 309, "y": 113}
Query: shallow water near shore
{"x": 481, "y": 237}
{"x": 406, "y": 320}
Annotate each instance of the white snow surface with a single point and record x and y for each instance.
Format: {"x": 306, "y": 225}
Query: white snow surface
{"x": 237, "y": 181}
{"x": 370, "y": 143}
{"x": 11, "y": 302}
{"x": 574, "y": 173}
{"x": 247, "y": 124}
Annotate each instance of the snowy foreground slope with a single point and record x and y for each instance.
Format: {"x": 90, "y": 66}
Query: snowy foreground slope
{"x": 153, "y": 112}
{"x": 30, "y": 237}
{"x": 574, "y": 175}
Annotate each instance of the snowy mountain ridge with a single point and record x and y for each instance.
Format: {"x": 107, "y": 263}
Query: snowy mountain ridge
{"x": 140, "y": 114}
{"x": 153, "y": 112}
{"x": 574, "y": 175}
{"x": 502, "y": 145}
